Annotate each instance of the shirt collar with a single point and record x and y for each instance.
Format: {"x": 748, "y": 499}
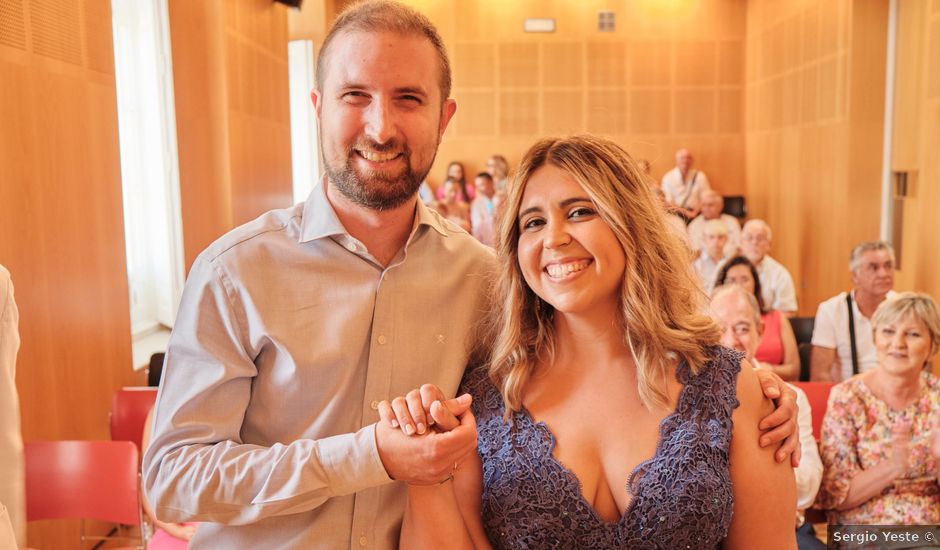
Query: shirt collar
{"x": 320, "y": 220}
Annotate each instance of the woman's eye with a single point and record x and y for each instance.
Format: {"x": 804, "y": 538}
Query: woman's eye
{"x": 581, "y": 212}
{"x": 531, "y": 223}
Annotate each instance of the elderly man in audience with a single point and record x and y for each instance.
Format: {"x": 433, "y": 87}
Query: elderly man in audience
{"x": 776, "y": 283}
{"x": 842, "y": 337}
{"x": 482, "y": 210}
{"x": 737, "y": 311}
{"x": 712, "y": 204}
{"x": 880, "y": 439}
{"x": 712, "y": 254}
{"x": 684, "y": 186}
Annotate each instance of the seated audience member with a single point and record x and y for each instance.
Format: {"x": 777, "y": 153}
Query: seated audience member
{"x": 451, "y": 207}
{"x": 712, "y": 255}
{"x": 842, "y": 337}
{"x": 455, "y": 171}
{"x": 12, "y": 475}
{"x": 166, "y": 536}
{"x": 684, "y": 186}
{"x": 425, "y": 193}
{"x": 674, "y": 222}
{"x": 738, "y": 314}
{"x": 880, "y": 440}
{"x": 712, "y": 203}
{"x": 498, "y": 167}
{"x": 778, "y": 349}
{"x": 775, "y": 281}
{"x": 482, "y": 210}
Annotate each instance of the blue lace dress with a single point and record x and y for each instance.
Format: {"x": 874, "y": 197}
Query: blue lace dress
{"x": 681, "y": 497}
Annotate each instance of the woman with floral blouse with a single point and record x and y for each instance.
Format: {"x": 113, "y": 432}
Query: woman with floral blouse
{"x": 881, "y": 434}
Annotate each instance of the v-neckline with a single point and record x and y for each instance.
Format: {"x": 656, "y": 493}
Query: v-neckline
{"x": 576, "y": 481}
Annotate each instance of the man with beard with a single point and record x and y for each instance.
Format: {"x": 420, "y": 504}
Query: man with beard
{"x": 293, "y": 327}
{"x": 843, "y": 343}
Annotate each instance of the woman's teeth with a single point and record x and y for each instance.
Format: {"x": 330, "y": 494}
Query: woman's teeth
{"x": 560, "y": 270}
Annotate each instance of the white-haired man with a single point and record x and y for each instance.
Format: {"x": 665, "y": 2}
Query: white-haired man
{"x": 712, "y": 204}
{"x": 842, "y": 339}
{"x": 776, "y": 283}
{"x": 712, "y": 254}
{"x": 684, "y": 186}
{"x": 737, "y": 312}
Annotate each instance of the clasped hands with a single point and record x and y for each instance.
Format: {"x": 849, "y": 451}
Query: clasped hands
{"x": 423, "y": 437}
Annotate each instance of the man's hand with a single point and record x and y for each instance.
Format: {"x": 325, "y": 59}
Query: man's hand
{"x": 427, "y": 459}
{"x": 412, "y": 412}
{"x": 780, "y": 425}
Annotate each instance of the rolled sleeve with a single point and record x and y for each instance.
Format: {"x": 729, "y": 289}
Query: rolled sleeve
{"x": 351, "y": 461}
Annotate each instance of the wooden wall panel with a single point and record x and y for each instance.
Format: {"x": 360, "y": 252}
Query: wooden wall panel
{"x": 61, "y": 223}
{"x": 815, "y": 88}
{"x": 232, "y": 114}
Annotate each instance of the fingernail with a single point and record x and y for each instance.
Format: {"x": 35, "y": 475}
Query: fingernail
{"x": 464, "y": 399}
{"x": 409, "y": 429}
{"x": 421, "y": 428}
{"x": 773, "y": 392}
{"x": 394, "y": 423}
{"x": 764, "y": 442}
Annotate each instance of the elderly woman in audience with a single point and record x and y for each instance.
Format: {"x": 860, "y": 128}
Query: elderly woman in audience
{"x": 712, "y": 255}
{"x": 881, "y": 434}
{"x": 778, "y": 348}
{"x": 498, "y": 167}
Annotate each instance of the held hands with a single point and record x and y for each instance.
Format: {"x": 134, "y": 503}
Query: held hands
{"x": 780, "y": 425}
{"x": 416, "y": 454}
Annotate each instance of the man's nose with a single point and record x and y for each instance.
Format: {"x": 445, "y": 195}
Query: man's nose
{"x": 380, "y": 122}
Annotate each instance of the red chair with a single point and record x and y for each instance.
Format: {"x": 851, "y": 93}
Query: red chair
{"x": 129, "y": 408}
{"x": 818, "y": 395}
{"x": 82, "y": 480}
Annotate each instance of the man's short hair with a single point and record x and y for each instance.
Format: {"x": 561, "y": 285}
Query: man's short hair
{"x": 715, "y": 227}
{"x": 742, "y": 294}
{"x": 484, "y": 175}
{"x": 758, "y": 224}
{"x": 855, "y": 258}
{"x": 387, "y": 16}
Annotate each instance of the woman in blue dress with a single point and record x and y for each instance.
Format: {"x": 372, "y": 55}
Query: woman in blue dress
{"x": 607, "y": 414}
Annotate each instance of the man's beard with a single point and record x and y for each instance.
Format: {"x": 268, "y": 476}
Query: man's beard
{"x": 375, "y": 190}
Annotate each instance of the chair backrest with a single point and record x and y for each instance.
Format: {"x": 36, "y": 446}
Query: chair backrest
{"x": 129, "y": 408}
{"x": 803, "y": 329}
{"x": 818, "y": 395}
{"x": 735, "y": 205}
{"x": 82, "y": 480}
{"x": 155, "y": 370}
{"x": 806, "y": 352}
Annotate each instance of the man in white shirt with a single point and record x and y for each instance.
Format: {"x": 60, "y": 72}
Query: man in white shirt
{"x": 872, "y": 268}
{"x": 712, "y": 204}
{"x": 684, "y": 186}
{"x": 712, "y": 254}
{"x": 736, "y": 311}
{"x": 777, "y": 288}
{"x": 12, "y": 483}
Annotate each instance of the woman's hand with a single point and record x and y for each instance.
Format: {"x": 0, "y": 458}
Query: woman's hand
{"x": 182, "y": 531}
{"x": 901, "y": 447}
{"x": 416, "y": 412}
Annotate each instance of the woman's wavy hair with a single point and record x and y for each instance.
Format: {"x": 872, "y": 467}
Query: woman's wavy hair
{"x": 741, "y": 260}
{"x": 660, "y": 304}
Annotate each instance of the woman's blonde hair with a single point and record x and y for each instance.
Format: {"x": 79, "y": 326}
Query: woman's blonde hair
{"x": 660, "y": 304}
{"x": 918, "y": 305}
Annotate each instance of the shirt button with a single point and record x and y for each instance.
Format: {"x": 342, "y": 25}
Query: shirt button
{"x": 363, "y": 541}
{"x": 374, "y": 405}
{"x": 351, "y": 247}
{"x": 382, "y": 339}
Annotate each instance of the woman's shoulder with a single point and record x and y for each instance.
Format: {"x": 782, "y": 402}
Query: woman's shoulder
{"x": 486, "y": 396}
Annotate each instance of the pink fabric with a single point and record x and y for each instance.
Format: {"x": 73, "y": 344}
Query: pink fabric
{"x": 162, "y": 540}
{"x": 771, "y": 344}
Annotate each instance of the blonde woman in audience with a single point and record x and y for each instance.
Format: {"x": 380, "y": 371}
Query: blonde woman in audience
{"x": 881, "y": 434}
{"x": 608, "y": 415}
{"x": 778, "y": 348}
{"x": 498, "y": 167}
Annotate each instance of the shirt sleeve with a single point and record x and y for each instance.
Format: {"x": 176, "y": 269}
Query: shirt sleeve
{"x": 824, "y": 327}
{"x": 809, "y": 472}
{"x": 197, "y": 467}
{"x": 838, "y": 447}
{"x": 785, "y": 300}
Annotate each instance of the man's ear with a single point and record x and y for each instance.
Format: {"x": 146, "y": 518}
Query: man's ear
{"x": 447, "y": 112}
{"x": 317, "y": 98}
